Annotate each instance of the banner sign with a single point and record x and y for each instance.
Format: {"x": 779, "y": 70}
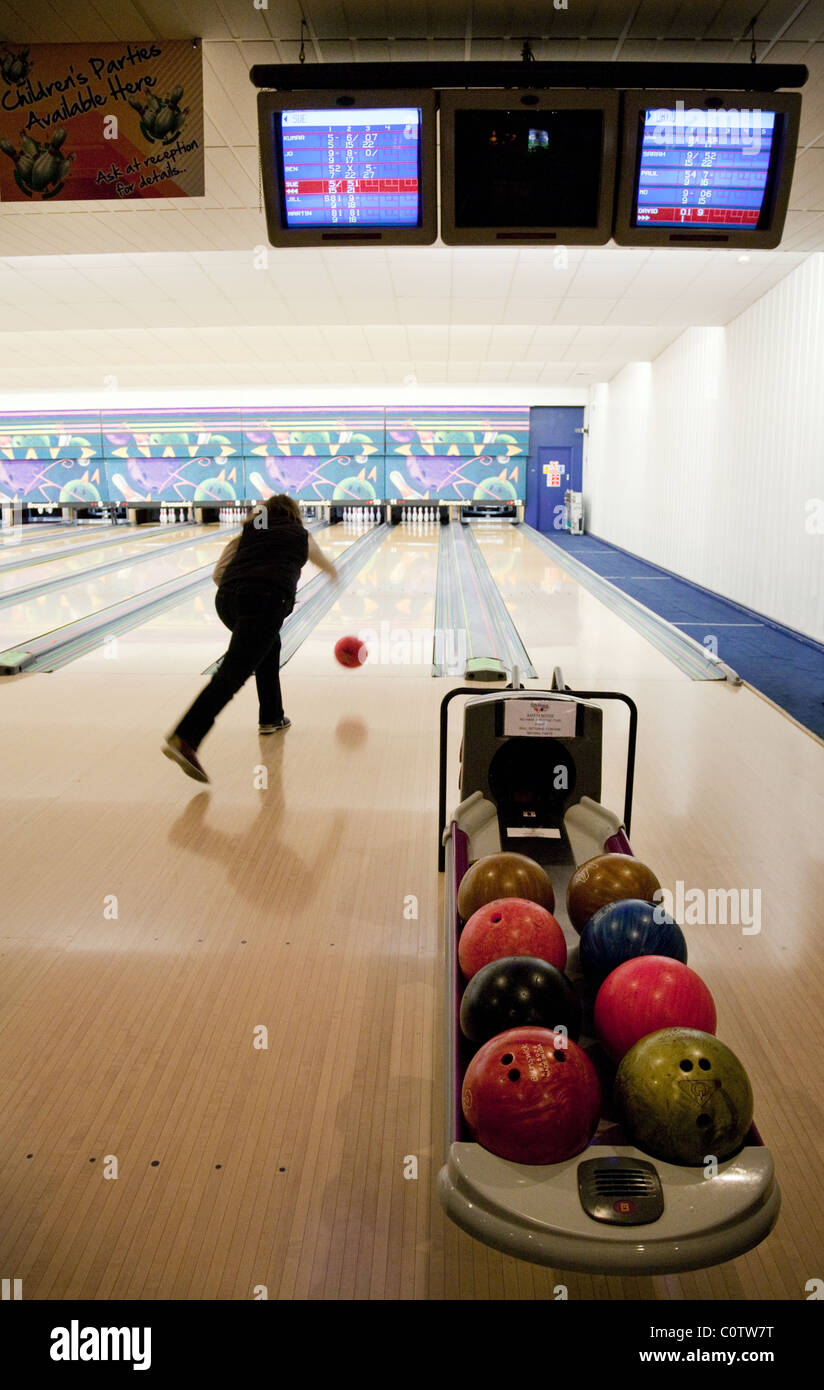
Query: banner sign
{"x": 112, "y": 120}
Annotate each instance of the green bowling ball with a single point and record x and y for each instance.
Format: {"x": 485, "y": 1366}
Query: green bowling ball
{"x": 683, "y": 1096}
{"x": 353, "y": 490}
{"x": 495, "y": 490}
{"x": 310, "y": 437}
{"x": 214, "y": 490}
{"x": 80, "y": 493}
{"x": 454, "y": 437}
{"x": 179, "y": 443}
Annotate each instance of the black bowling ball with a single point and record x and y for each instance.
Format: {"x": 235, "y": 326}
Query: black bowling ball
{"x": 518, "y": 992}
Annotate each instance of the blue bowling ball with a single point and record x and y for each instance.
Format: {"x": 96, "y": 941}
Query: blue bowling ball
{"x": 623, "y": 930}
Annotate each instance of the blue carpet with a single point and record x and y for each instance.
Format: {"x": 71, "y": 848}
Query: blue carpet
{"x": 785, "y": 666}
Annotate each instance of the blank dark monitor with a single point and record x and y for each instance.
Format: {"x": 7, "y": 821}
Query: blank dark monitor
{"x": 349, "y": 167}
{"x": 706, "y": 168}
{"x": 524, "y": 167}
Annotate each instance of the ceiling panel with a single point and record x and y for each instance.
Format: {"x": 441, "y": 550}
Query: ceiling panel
{"x": 184, "y": 276}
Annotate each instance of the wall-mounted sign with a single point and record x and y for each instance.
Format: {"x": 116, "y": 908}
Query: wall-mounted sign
{"x": 110, "y": 120}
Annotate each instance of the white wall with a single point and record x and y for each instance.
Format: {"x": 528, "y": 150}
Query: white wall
{"x": 705, "y": 461}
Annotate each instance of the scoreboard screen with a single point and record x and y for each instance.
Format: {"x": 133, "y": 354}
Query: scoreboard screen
{"x": 705, "y": 168}
{"x": 708, "y": 167}
{"x": 351, "y": 168}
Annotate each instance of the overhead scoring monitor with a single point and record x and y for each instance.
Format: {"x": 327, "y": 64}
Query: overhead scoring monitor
{"x": 707, "y": 168}
{"x": 528, "y": 167}
{"x": 349, "y": 167}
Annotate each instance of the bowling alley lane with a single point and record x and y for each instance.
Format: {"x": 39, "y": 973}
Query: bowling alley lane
{"x": 143, "y": 567}
{"x": 28, "y": 542}
{"x": 390, "y": 600}
{"x": 281, "y": 898}
{"x": 28, "y": 564}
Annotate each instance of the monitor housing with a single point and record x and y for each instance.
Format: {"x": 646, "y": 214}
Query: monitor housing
{"x": 705, "y": 168}
{"x": 528, "y": 167}
{"x": 349, "y": 167}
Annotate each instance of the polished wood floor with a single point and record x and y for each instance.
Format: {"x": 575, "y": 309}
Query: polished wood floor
{"x": 220, "y": 1009}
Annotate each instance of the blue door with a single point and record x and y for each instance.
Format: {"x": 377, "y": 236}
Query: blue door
{"x": 554, "y": 479}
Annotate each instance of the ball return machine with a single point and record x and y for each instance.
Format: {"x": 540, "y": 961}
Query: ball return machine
{"x": 530, "y": 781}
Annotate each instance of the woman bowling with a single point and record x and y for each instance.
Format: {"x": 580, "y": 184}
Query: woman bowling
{"x": 257, "y": 578}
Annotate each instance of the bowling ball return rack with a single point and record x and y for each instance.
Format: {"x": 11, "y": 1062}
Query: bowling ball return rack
{"x": 611, "y": 1209}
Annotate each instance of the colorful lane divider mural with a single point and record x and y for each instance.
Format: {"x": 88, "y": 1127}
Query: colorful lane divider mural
{"x": 84, "y": 459}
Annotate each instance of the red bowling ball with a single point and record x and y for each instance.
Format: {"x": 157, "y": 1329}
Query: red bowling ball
{"x": 529, "y": 1101}
{"x": 646, "y": 994}
{"x": 510, "y": 927}
{"x": 350, "y": 651}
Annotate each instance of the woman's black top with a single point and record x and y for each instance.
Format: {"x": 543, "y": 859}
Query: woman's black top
{"x": 272, "y": 555}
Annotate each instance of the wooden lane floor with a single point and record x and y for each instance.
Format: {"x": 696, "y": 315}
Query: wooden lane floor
{"x": 299, "y": 894}
{"x": 237, "y": 908}
{"x": 729, "y": 794}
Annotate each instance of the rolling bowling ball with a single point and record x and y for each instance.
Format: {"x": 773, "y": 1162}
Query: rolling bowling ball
{"x": 518, "y": 992}
{"x": 646, "y": 994}
{"x": 350, "y": 651}
{"x": 684, "y": 1095}
{"x": 504, "y": 876}
{"x": 528, "y": 1101}
{"x": 510, "y": 927}
{"x": 605, "y": 879}
{"x": 620, "y": 931}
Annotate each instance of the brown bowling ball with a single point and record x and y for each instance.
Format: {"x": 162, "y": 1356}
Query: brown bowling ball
{"x": 504, "y": 876}
{"x": 608, "y": 878}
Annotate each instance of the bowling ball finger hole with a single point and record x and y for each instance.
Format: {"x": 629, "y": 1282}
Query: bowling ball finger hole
{"x": 514, "y": 1075}
{"x": 704, "y": 1064}
{"x": 559, "y": 1056}
{"x": 703, "y": 1121}
{"x": 496, "y": 916}
{"x": 506, "y": 1059}
{"x": 686, "y": 1065}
